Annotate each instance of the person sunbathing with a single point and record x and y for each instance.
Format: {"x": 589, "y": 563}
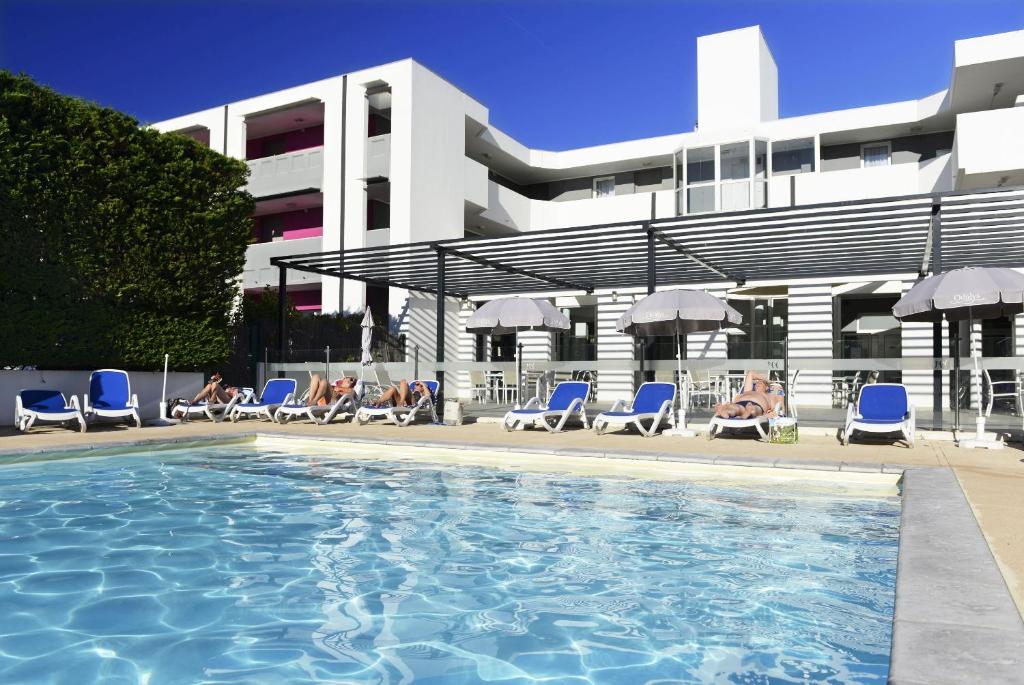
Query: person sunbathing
{"x": 215, "y": 391}
{"x": 403, "y": 395}
{"x": 758, "y": 397}
{"x": 323, "y": 393}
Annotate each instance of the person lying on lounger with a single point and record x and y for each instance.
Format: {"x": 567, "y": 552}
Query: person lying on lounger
{"x": 323, "y": 393}
{"x": 757, "y": 398}
{"x": 403, "y": 395}
{"x": 214, "y": 392}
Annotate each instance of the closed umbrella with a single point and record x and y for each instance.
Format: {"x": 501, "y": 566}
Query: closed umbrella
{"x": 964, "y": 295}
{"x": 678, "y": 312}
{"x": 513, "y": 314}
{"x": 366, "y": 357}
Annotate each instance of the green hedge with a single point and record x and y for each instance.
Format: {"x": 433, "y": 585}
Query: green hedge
{"x": 119, "y": 243}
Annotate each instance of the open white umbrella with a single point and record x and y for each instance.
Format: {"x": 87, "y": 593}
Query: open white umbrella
{"x": 964, "y": 295}
{"x": 678, "y": 312}
{"x": 513, "y": 314}
{"x": 366, "y": 357}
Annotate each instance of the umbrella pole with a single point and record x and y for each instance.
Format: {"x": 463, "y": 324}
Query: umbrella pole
{"x": 519, "y": 371}
{"x": 980, "y": 439}
{"x": 680, "y": 428}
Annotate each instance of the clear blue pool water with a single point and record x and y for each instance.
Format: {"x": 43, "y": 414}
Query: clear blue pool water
{"x": 230, "y": 566}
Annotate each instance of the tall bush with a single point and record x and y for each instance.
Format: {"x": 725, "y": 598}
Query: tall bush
{"x": 119, "y": 243}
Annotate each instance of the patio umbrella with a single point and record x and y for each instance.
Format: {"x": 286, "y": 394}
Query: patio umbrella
{"x": 366, "y": 358}
{"x": 513, "y": 314}
{"x": 964, "y": 295}
{"x": 677, "y": 312}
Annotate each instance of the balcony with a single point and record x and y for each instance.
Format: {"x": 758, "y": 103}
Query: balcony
{"x": 258, "y": 271}
{"x": 378, "y": 157}
{"x": 508, "y": 207}
{"x": 292, "y": 172}
{"x": 847, "y": 184}
{"x": 988, "y": 149}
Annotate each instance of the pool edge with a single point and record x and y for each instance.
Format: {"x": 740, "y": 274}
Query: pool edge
{"x": 955, "y": 621}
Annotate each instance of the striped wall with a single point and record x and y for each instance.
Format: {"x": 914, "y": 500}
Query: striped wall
{"x": 613, "y": 346}
{"x": 810, "y": 337}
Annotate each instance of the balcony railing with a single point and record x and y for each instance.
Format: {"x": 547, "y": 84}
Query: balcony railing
{"x": 378, "y": 156}
{"x": 258, "y": 271}
{"x": 288, "y": 173}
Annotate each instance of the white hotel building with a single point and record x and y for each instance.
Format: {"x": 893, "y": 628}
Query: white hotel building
{"x": 395, "y": 154}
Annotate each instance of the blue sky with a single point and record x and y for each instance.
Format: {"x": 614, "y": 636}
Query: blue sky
{"x": 555, "y": 75}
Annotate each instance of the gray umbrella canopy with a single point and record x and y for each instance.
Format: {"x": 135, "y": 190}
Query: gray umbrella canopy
{"x": 511, "y": 314}
{"x": 366, "y": 358}
{"x": 672, "y": 312}
{"x": 962, "y": 294}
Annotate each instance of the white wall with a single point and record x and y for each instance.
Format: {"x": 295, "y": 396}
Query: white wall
{"x": 147, "y": 385}
{"x": 737, "y": 80}
{"x": 989, "y": 145}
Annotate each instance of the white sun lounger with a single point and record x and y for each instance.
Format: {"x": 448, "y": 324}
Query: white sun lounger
{"x": 276, "y": 392}
{"x": 110, "y": 396}
{"x": 215, "y": 411}
{"x": 652, "y": 402}
{"x": 566, "y": 400}
{"x": 322, "y": 413}
{"x": 31, "y": 406}
{"x": 401, "y": 416}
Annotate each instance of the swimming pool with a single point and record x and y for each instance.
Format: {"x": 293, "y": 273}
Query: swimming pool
{"x": 238, "y": 564}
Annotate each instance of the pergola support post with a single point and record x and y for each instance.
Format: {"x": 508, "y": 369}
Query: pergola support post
{"x": 440, "y": 324}
{"x": 282, "y": 316}
{"x": 937, "y": 403}
{"x": 647, "y": 344}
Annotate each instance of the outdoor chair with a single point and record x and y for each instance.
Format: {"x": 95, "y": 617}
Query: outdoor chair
{"x": 31, "y": 406}
{"x": 567, "y": 400}
{"x": 702, "y": 385}
{"x": 652, "y": 402}
{"x": 110, "y": 396}
{"x": 478, "y": 388}
{"x": 1008, "y": 389}
{"x": 881, "y": 408}
{"x": 276, "y": 392}
{"x": 401, "y": 416}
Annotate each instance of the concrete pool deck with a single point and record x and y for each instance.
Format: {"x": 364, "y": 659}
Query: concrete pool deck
{"x": 954, "y": 617}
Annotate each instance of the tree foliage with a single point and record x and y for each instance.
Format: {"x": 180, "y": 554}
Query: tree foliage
{"x": 119, "y": 243}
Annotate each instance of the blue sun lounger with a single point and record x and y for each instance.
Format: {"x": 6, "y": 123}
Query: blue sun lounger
{"x": 401, "y": 416}
{"x": 276, "y": 391}
{"x": 566, "y": 400}
{"x": 652, "y": 402}
{"x": 110, "y": 396}
{"x": 881, "y": 408}
{"x": 31, "y": 406}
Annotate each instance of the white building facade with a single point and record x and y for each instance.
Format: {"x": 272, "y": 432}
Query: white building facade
{"x": 395, "y": 154}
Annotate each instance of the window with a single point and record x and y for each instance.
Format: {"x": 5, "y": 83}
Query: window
{"x": 875, "y": 154}
{"x": 792, "y": 156}
{"x": 604, "y": 186}
{"x": 700, "y": 180}
{"x": 735, "y": 186}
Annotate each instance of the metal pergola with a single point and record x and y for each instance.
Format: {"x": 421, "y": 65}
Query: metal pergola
{"x": 914, "y": 234}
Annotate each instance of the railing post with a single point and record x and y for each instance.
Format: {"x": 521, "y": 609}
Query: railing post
{"x": 282, "y": 315}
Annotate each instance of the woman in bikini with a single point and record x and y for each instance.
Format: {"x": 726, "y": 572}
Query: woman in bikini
{"x": 403, "y": 395}
{"x": 323, "y": 393}
{"x": 756, "y": 399}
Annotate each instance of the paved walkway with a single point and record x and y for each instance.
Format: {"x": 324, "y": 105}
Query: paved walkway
{"x": 992, "y": 481}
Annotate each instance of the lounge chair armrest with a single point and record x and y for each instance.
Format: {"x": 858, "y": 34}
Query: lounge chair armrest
{"x": 85, "y": 402}
{"x": 135, "y": 401}
{"x": 619, "y": 405}
{"x": 74, "y": 402}
{"x": 17, "y": 407}
{"x": 912, "y": 414}
{"x": 531, "y": 403}
{"x": 851, "y": 412}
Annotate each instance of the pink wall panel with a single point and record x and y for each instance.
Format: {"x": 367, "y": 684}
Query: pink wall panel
{"x": 280, "y": 143}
